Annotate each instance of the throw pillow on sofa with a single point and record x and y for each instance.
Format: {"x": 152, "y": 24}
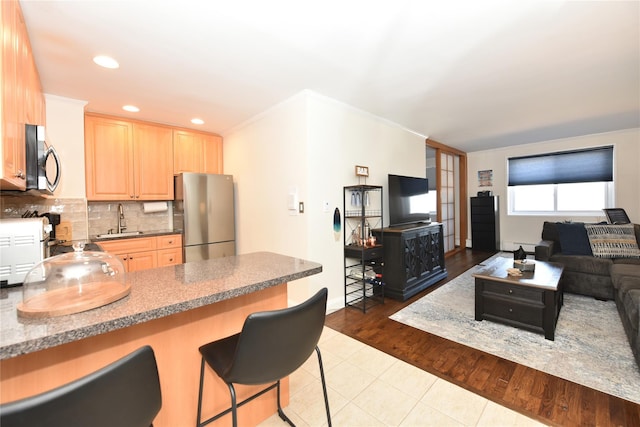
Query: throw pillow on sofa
{"x": 573, "y": 238}
{"x": 613, "y": 241}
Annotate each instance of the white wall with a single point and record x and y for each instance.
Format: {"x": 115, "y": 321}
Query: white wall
{"x": 266, "y": 158}
{"x": 527, "y": 229}
{"x": 314, "y": 143}
{"x": 65, "y": 131}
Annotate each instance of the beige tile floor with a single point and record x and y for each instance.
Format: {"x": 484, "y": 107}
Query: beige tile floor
{"x": 367, "y": 387}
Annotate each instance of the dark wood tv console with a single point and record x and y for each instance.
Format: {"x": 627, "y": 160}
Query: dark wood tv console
{"x": 413, "y": 258}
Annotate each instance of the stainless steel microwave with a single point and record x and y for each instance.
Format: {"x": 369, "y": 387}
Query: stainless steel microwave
{"x": 42, "y": 161}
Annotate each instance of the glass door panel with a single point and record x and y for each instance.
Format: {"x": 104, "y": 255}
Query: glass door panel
{"x": 446, "y": 170}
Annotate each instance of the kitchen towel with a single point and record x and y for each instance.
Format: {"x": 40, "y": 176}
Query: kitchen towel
{"x": 150, "y": 207}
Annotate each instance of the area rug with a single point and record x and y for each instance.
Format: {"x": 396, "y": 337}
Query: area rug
{"x": 590, "y": 346}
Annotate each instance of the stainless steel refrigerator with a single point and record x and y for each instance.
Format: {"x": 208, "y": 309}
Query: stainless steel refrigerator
{"x": 203, "y": 210}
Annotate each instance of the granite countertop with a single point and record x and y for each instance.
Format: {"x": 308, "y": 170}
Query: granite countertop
{"x": 93, "y": 243}
{"x": 154, "y": 294}
{"x": 65, "y": 248}
{"x": 94, "y": 239}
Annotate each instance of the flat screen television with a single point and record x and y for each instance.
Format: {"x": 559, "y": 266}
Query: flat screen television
{"x": 408, "y": 200}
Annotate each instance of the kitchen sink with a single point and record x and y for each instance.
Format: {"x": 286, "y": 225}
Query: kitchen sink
{"x": 116, "y": 235}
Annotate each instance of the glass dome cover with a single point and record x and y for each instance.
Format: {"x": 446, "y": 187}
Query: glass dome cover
{"x": 73, "y": 282}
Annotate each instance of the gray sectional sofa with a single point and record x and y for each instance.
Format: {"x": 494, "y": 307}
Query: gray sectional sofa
{"x": 609, "y": 278}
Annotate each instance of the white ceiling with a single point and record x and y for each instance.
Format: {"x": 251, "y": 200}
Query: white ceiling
{"x": 471, "y": 74}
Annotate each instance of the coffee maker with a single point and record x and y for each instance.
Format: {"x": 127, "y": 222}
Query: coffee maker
{"x": 54, "y": 220}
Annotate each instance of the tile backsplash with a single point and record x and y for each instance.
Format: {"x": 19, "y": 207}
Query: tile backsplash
{"x": 71, "y": 210}
{"x": 89, "y": 218}
{"x": 103, "y": 216}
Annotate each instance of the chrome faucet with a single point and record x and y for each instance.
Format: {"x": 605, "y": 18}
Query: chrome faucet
{"x": 121, "y": 223}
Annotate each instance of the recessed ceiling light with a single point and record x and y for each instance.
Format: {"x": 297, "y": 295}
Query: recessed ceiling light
{"x": 131, "y": 108}
{"x": 106, "y": 61}
{"x": 197, "y": 121}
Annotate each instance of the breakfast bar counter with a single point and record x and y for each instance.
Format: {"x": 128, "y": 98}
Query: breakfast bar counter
{"x": 175, "y": 309}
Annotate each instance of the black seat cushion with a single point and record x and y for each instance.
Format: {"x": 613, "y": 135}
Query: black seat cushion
{"x": 271, "y": 345}
{"x": 125, "y": 393}
{"x": 219, "y": 354}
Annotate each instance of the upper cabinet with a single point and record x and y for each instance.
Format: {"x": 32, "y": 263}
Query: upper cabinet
{"x": 196, "y": 152}
{"x": 127, "y": 160}
{"x": 22, "y": 98}
{"x": 153, "y": 162}
{"x": 133, "y": 160}
{"x": 213, "y": 154}
{"x": 108, "y": 159}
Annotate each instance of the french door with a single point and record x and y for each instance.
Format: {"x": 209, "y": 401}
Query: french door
{"x": 449, "y": 168}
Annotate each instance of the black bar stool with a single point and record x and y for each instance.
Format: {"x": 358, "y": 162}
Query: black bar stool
{"x": 125, "y": 393}
{"x": 271, "y": 346}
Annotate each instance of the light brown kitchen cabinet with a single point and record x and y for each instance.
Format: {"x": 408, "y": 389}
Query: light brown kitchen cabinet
{"x": 13, "y": 160}
{"x": 169, "y": 257}
{"x": 141, "y": 261}
{"x": 126, "y": 160}
{"x": 213, "y": 154}
{"x": 136, "y": 254}
{"x": 169, "y": 250}
{"x": 108, "y": 163}
{"x": 153, "y": 162}
{"x": 125, "y": 246}
{"x": 186, "y": 146}
{"x": 22, "y": 98}
{"x": 142, "y": 253}
{"x": 169, "y": 241}
{"x": 196, "y": 152}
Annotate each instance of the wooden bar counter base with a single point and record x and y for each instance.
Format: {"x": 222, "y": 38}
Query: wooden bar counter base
{"x": 173, "y": 309}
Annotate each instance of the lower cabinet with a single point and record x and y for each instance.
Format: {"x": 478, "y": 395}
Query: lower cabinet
{"x": 143, "y": 253}
{"x": 135, "y": 261}
{"x": 413, "y": 258}
{"x": 169, "y": 250}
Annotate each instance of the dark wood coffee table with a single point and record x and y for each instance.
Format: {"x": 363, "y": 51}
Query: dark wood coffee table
{"x": 531, "y": 301}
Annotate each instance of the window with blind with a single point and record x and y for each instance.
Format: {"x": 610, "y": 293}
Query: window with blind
{"x": 578, "y": 182}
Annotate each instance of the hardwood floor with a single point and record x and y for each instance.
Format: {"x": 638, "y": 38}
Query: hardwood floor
{"x": 541, "y": 396}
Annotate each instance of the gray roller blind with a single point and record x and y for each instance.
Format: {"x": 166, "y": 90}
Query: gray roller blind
{"x": 589, "y": 165}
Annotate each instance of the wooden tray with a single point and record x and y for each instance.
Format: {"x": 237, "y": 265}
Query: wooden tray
{"x": 69, "y": 301}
